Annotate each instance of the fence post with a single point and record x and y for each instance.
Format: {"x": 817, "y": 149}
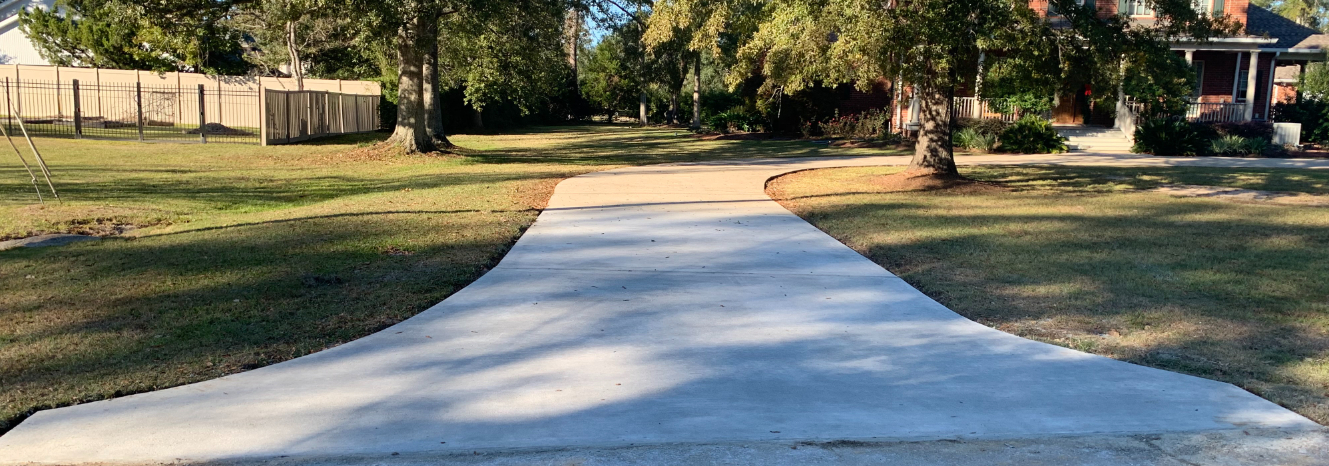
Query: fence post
{"x": 262, "y": 116}
{"x": 9, "y": 111}
{"x": 202, "y": 118}
{"x": 138, "y": 102}
{"x": 78, "y": 113}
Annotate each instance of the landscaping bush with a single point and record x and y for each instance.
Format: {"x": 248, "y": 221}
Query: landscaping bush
{"x": 989, "y": 126}
{"x": 726, "y": 122}
{"x": 1313, "y": 114}
{"x": 1032, "y": 135}
{"x": 870, "y": 124}
{"x": 972, "y": 138}
{"x": 1246, "y": 129}
{"x": 1229, "y": 145}
{"x": 1171, "y": 136}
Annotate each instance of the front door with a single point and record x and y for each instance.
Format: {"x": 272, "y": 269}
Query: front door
{"x": 1068, "y": 111}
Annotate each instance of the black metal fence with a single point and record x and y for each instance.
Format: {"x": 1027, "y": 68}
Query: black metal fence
{"x": 133, "y": 111}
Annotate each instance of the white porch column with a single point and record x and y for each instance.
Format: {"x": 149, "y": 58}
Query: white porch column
{"x": 1190, "y": 57}
{"x": 1250, "y": 85}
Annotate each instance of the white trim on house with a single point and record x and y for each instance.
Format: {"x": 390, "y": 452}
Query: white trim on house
{"x": 15, "y": 48}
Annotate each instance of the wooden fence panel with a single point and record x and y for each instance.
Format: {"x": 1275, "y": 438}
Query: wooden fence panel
{"x": 294, "y": 116}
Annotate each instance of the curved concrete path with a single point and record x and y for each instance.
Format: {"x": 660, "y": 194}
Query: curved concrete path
{"x": 661, "y": 305}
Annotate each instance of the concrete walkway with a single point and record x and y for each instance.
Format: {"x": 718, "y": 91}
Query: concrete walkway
{"x": 662, "y": 305}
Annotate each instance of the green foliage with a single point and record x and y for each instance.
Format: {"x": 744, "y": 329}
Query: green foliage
{"x": 609, "y": 79}
{"x": 972, "y": 138}
{"x": 726, "y": 122}
{"x": 934, "y": 45}
{"x": 988, "y": 126}
{"x": 1229, "y": 145}
{"x": 513, "y": 53}
{"x": 1232, "y": 145}
{"x": 1246, "y": 129}
{"x": 1029, "y": 103}
{"x": 134, "y": 35}
{"x": 1313, "y": 114}
{"x": 870, "y": 124}
{"x": 1171, "y": 136}
{"x": 1032, "y": 135}
{"x": 1163, "y": 83}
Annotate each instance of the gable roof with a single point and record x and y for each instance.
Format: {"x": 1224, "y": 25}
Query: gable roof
{"x": 1290, "y": 35}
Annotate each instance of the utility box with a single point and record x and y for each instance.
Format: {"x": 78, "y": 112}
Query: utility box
{"x": 1287, "y": 134}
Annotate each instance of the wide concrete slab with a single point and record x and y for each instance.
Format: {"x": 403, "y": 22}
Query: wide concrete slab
{"x": 657, "y": 305}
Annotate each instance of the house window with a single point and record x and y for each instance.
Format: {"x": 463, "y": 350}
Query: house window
{"x": 1199, "y": 78}
{"x": 1052, "y": 9}
{"x": 1134, "y": 8}
{"x": 1208, "y": 6}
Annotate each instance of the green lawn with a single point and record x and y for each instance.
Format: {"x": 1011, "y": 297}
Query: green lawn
{"x": 1080, "y": 257}
{"x": 246, "y": 255}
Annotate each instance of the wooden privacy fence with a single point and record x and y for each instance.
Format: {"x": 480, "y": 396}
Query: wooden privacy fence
{"x": 294, "y": 116}
{"x": 181, "y": 107}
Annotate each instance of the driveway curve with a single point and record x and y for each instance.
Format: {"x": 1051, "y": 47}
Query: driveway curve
{"x": 657, "y": 305}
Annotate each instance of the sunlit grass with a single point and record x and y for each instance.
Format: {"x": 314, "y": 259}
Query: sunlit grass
{"x": 246, "y": 255}
{"x": 1081, "y": 257}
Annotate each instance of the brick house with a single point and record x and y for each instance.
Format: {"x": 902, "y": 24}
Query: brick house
{"x": 1277, "y": 48}
{"x": 1235, "y": 75}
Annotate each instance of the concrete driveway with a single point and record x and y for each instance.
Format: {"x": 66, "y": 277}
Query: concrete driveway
{"x": 664, "y": 305}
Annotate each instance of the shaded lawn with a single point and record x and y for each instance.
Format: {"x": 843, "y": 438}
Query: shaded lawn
{"x": 247, "y": 256}
{"x": 1077, "y": 257}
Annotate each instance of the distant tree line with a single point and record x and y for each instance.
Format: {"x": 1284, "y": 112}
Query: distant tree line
{"x": 663, "y": 61}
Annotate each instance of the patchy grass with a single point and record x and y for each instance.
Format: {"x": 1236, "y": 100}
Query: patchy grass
{"x": 1081, "y": 258}
{"x": 246, "y": 256}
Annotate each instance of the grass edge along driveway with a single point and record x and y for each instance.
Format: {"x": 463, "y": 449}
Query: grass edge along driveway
{"x": 246, "y": 256}
{"x": 1088, "y": 259}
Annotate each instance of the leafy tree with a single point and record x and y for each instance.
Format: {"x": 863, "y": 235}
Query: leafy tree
{"x": 301, "y": 34}
{"x": 167, "y": 35}
{"x": 609, "y": 77}
{"x": 933, "y": 46}
{"x": 515, "y": 54}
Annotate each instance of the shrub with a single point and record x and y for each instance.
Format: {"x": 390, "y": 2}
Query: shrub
{"x": 989, "y": 126}
{"x": 1246, "y": 129}
{"x": 1313, "y": 114}
{"x": 1255, "y": 146}
{"x": 1229, "y": 145}
{"x": 1032, "y": 135}
{"x": 870, "y": 124}
{"x": 735, "y": 121}
{"x": 1171, "y": 136}
{"x": 972, "y": 138}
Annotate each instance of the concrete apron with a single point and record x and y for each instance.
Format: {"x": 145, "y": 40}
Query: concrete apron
{"x": 669, "y": 304}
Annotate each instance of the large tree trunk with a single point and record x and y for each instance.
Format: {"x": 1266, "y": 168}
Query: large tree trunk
{"x": 934, "y": 154}
{"x": 430, "y": 92}
{"x": 572, "y": 34}
{"x": 673, "y": 108}
{"x": 411, "y": 132}
{"x": 292, "y": 49}
{"x": 641, "y": 114}
{"x": 696, "y": 92}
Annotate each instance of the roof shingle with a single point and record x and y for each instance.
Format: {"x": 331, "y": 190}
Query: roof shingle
{"x": 1262, "y": 22}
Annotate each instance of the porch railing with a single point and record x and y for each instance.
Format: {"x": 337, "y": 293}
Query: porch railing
{"x": 1128, "y": 114}
{"x": 974, "y": 107}
{"x": 1215, "y": 112}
